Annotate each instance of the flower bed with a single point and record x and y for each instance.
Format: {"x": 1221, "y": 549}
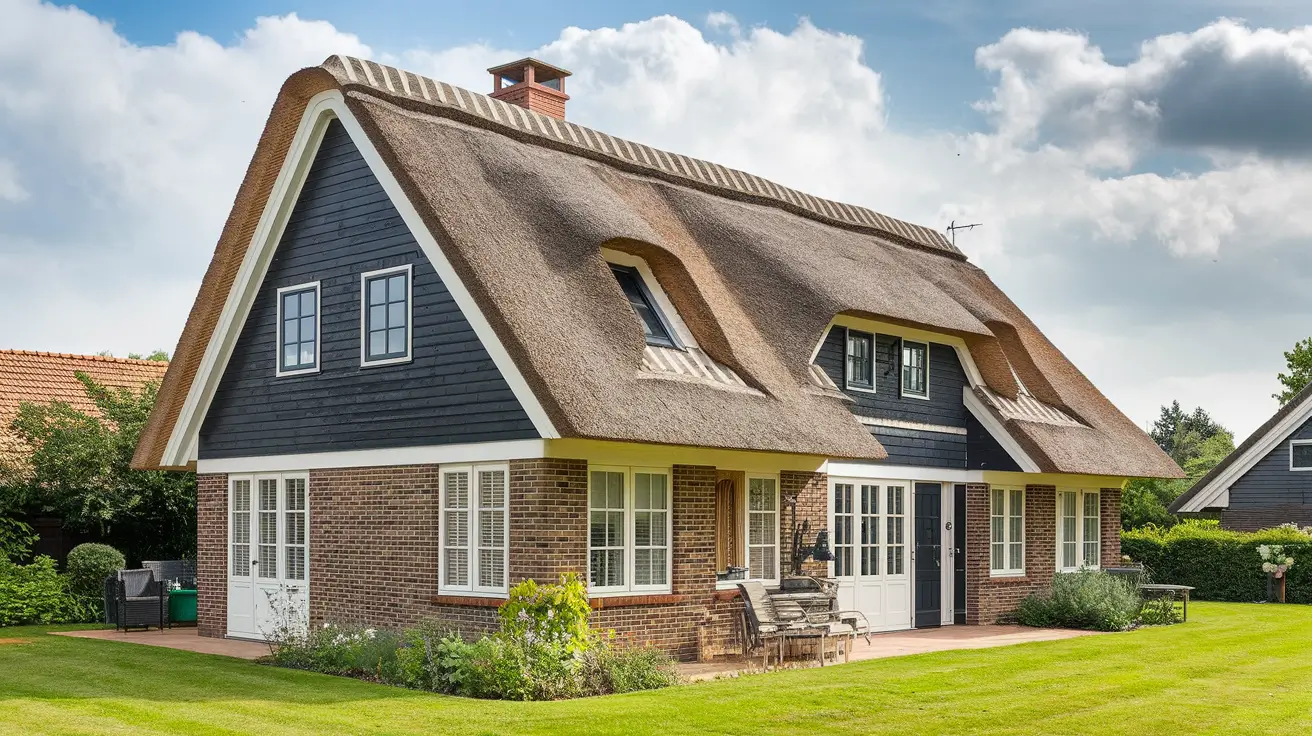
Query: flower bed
{"x": 545, "y": 650}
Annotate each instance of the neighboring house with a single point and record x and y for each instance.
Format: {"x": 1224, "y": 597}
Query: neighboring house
{"x": 1267, "y": 480}
{"x": 40, "y": 378}
{"x": 449, "y": 342}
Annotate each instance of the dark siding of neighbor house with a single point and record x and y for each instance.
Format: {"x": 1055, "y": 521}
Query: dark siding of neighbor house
{"x": 975, "y": 450}
{"x": 342, "y": 226}
{"x": 1270, "y": 494}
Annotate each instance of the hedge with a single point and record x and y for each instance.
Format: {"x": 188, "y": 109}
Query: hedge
{"x": 1221, "y": 565}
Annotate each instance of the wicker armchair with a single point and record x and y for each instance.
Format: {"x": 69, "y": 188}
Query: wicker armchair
{"x": 182, "y": 572}
{"x": 140, "y": 600}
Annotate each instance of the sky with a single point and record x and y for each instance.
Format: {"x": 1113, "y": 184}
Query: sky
{"x": 1140, "y": 170}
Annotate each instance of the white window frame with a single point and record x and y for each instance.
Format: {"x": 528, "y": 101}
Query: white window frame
{"x": 365, "y": 278}
{"x": 630, "y": 497}
{"x": 1292, "y": 466}
{"x": 474, "y": 587}
{"x": 1007, "y": 512}
{"x": 253, "y": 509}
{"x": 747, "y": 526}
{"x": 870, "y": 359}
{"x": 278, "y": 371}
{"x": 1080, "y": 539}
{"x": 901, "y": 368}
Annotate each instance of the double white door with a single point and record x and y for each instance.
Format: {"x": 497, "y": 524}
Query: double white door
{"x": 268, "y": 553}
{"x": 872, "y": 552}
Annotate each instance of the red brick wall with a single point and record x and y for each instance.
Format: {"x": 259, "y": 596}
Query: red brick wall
{"x": 373, "y": 544}
{"x": 548, "y": 519}
{"x": 812, "y": 493}
{"x": 990, "y": 599}
{"x": 212, "y": 554}
{"x": 1109, "y": 511}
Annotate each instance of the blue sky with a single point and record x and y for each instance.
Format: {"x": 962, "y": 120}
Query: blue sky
{"x": 1142, "y": 168}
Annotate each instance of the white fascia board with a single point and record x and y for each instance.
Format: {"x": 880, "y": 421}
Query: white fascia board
{"x": 319, "y": 112}
{"x": 999, "y": 432}
{"x": 1216, "y": 494}
{"x": 474, "y": 452}
{"x": 869, "y": 471}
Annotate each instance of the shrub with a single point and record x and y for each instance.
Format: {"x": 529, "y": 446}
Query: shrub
{"x": 36, "y": 594}
{"x": 16, "y": 539}
{"x": 1082, "y": 600}
{"x": 87, "y": 567}
{"x": 1220, "y": 564}
{"x": 608, "y": 670}
{"x": 552, "y": 614}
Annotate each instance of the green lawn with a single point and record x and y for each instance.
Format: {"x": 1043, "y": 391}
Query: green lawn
{"x": 1232, "y": 669}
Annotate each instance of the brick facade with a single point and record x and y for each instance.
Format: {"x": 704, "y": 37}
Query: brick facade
{"x": 374, "y": 551}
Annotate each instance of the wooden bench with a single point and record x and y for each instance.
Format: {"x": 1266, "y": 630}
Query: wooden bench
{"x": 1163, "y": 590}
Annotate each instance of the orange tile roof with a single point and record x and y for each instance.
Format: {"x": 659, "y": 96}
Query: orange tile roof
{"x": 39, "y": 377}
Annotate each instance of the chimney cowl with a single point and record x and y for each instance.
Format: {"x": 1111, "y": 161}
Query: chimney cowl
{"x": 532, "y": 84}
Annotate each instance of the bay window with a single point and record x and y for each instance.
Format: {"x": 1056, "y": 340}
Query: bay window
{"x": 629, "y": 529}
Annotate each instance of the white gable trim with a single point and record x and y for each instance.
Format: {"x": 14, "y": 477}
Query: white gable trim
{"x": 476, "y": 452}
{"x": 994, "y": 427}
{"x": 1216, "y": 494}
{"x": 321, "y": 110}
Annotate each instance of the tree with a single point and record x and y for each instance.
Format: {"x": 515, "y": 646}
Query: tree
{"x": 1196, "y": 442}
{"x": 78, "y": 469}
{"x": 160, "y": 356}
{"x": 1299, "y": 362}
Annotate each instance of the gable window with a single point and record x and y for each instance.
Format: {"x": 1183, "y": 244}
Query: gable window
{"x": 860, "y": 360}
{"x": 628, "y": 530}
{"x": 298, "y": 329}
{"x": 475, "y": 528}
{"x": 1300, "y": 455}
{"x": 1078, "y": 530}
{"x": 1006, "y": 532}
{"x": 915, "y": 369}
{"x": 655, "y": 328}
{"x": 385, "y": 316}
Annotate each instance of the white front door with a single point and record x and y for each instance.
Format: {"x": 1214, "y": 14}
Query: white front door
{"x": 871, "y": 557}
{"x": 268, "y": 553}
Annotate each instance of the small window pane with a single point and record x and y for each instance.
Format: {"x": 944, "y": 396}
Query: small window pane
{"x": 377, "y": 343}
{"x": 653, "y": 327}
{"x": 377, "y": 292}
{"x": 378, "y": 317}
{"x": 396, "y": 288}
{"x": 307, "y": 303}
{"x": 291, "y": 331}
{"x": 307, "y": 328}
{"x": 396, "y": 341}
{"x": 1302, "y": 456}
{"x": 396, "y": 314}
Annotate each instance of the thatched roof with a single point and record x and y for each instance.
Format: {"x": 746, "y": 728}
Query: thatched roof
{"x": 521, "y": 205}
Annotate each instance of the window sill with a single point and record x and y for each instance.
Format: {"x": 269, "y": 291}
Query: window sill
{"x": 733, "y": 584}
{"x": 385, "y": 362}
{"x": 1007, "y": 575}
{"x": 619, "y": 601}
{"x": 295, "y": 372}
{"x": 924, "y": 397}
{"x": 861, "y": 389}
{"x": 481, "y": 600}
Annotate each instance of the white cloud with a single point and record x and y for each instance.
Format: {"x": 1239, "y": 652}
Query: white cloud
{"x": 1159, "y": 285}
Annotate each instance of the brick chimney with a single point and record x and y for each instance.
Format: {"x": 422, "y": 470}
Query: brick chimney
{"x": 533, "y": 84}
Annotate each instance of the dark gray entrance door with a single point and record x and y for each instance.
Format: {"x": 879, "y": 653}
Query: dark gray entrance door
{"x": 959, "y": 554}
{"x": 929, "y": 555}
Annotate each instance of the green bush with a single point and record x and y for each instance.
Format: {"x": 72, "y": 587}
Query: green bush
{"x": 544, "y": 650}
{"x": 1087, "y": 599}
{"x": 16, "y": 539}
{"x": 87, "y": 567}
{"x": 36, "y": 594}
{"x": 1221, "y": 565}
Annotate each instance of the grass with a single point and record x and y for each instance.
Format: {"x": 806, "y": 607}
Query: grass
{"x": 1233, "y": 668}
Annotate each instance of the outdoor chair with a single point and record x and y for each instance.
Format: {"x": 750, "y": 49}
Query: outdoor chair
{"x": 181, "y": 572}
{"x": 140, "y": 600}
{"x": 761, "y": 625}
{"x": 776, "y": 619}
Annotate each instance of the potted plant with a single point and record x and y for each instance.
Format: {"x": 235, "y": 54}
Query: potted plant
{"x": 1275, "y": 562}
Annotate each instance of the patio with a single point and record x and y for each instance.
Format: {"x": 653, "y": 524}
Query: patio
{"x": 892, "y": 644}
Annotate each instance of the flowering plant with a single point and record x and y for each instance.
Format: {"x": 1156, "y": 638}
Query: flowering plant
{"x": 1275, "y": 561}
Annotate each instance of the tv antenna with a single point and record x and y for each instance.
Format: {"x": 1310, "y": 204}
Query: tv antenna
{"x": 953, "y": 227}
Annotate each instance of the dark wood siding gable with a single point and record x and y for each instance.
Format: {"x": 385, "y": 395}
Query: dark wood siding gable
{"x": 1270, "y": 482}
{"x": 344, "y": 225}
{"x": 944, "y": 407}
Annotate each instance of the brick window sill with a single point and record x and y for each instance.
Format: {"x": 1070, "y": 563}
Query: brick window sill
{"x": 619, "y": 601}
{"x": 466, "y": 600}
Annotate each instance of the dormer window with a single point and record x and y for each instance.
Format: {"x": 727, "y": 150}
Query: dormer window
{"x": 655, "y": 327}
{"x": 860, "y": 360}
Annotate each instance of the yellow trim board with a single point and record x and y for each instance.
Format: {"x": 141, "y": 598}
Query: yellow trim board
{"x": 1061, "y": 480}
{"x": 605, "y": 452}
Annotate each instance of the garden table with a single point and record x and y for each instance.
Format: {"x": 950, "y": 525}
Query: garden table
{"x": 1162, "y": 590}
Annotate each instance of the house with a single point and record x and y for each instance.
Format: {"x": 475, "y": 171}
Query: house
{"x": 1266, "y": 481}
{"x": 28, "y": 376}
{"x": 449, "y": 341}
